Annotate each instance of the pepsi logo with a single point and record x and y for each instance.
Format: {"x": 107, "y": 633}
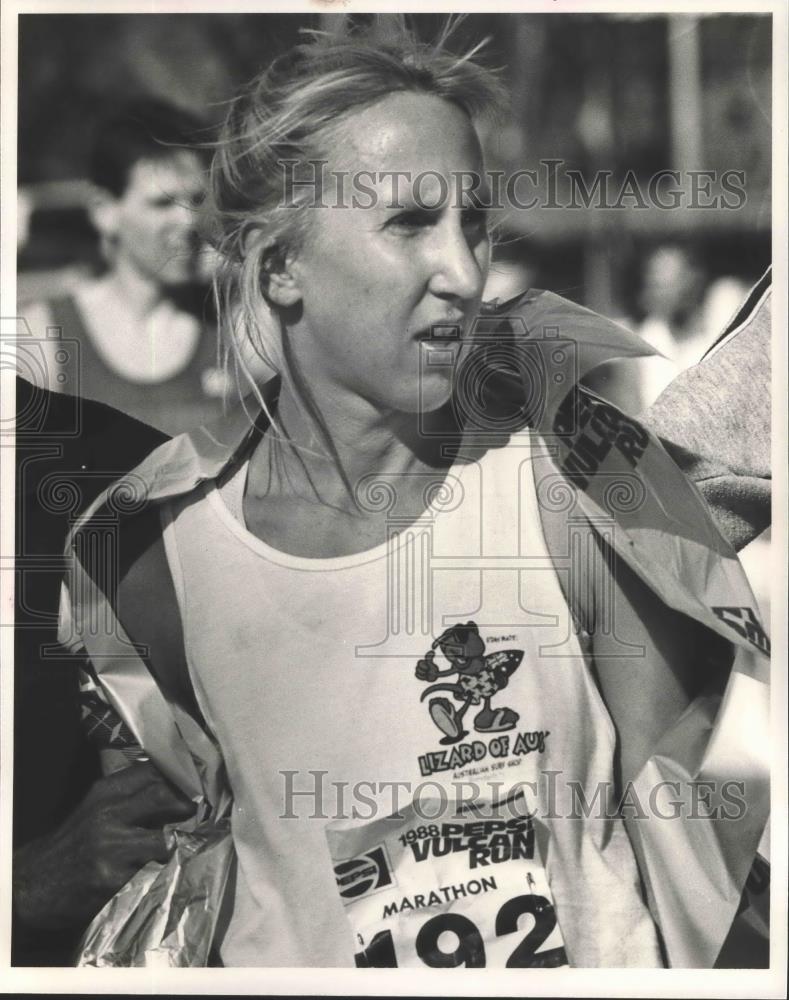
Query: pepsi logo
{"x": 367, "y": 873}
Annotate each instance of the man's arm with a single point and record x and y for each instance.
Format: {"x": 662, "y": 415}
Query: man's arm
{"x": 62, "y": 879}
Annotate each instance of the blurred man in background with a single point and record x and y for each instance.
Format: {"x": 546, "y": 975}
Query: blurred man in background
{"x": 144, "y": 343}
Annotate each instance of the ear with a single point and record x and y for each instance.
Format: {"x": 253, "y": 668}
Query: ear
{"x": 279, "y": 279}
{"x": 104, "y": 212}
{"x": 281, "y": 287}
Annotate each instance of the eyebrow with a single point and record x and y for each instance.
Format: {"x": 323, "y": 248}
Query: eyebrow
{"x": 479, "y": 198}
{"x": 411, "y": 205}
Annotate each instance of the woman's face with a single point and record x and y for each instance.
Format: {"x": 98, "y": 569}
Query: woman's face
{"x": 373, "y": 277}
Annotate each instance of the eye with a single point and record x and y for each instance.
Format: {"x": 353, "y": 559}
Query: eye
{"x": 475, "y": 217}
{"x": 161, "y": 201}
{"x": 412, "y": 220}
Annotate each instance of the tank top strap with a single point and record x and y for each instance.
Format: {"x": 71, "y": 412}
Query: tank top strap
{"x": 233, "y": 488}
{"x": 64, "y": 313}
{"x": 75, "y": 353}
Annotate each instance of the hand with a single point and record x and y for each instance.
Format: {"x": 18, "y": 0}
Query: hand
{"x": 426, "y": 669}
{"x": 64, "y": 878}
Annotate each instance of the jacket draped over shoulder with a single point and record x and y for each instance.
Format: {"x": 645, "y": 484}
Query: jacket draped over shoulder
{"x": 596, "y": 468}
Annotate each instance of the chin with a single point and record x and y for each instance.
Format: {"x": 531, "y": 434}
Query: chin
{"x": 178, "y": 280}
{"x": 431, "y": 394}
{"x": 182, "y": 272}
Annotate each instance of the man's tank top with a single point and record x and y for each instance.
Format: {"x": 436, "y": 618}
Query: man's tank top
{"x": 177, "y": 404}
{"x": 306, "y": 670}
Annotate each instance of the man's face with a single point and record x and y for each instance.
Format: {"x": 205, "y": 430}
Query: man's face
{"x": 154, "y": 220}
{"x": 373, "y": 278}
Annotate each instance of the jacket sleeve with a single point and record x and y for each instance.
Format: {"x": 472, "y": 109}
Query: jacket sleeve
{"x": 714, "y": 420}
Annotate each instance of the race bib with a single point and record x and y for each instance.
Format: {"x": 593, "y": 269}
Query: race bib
{"x": 458, "y": 890}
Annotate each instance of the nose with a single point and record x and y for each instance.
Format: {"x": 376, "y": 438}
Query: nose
{"x": 183, "y": 216}
{"x": 456, "y": 272}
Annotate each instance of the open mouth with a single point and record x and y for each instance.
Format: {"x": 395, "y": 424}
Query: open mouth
{"x": 441, "y": 335}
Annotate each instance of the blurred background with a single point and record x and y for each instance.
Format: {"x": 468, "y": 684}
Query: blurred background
{"x": 599, "y": 91}
{"x": 632, "y": 94}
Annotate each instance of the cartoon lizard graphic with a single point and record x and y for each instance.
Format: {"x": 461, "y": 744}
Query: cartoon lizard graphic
{"x": 479, "y": 678}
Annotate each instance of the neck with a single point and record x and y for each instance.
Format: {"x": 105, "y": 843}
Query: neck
{"x": 140, "y": 294}
{"x": 323, "y": 456}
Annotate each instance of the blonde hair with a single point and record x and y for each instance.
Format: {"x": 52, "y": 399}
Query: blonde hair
{"x": 286, "y": 115}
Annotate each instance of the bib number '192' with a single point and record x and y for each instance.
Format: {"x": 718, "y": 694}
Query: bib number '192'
{"x": 449, "y": 940}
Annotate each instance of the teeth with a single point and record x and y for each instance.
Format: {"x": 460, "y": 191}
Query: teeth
{"x": 441, "y": 333}
{"x": 445, "y": 331}
{"x": 445, "y": 345}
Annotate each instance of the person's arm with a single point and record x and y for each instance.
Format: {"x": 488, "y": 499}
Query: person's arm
{"x": 62, "y": 879}
{"x": 714, "y": 420}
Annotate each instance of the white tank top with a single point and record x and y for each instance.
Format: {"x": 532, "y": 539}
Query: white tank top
{"x": 306, "y": 671}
